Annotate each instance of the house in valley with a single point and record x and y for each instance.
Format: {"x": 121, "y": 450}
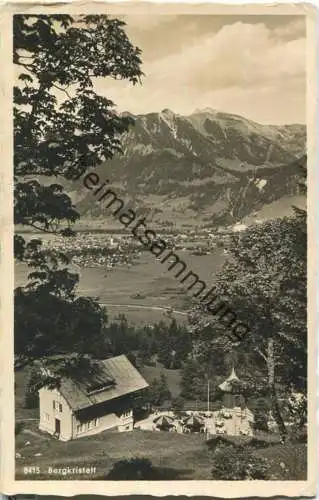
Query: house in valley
{"x": 88, "y": 405}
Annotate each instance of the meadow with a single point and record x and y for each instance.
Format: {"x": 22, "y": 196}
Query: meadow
{"x": 145, "y": 291}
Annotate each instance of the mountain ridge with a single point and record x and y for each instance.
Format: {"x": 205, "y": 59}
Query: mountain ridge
{"x": 208, "y": 162}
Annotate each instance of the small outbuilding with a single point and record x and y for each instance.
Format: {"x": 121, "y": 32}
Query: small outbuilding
{"x": 234, "y": 418}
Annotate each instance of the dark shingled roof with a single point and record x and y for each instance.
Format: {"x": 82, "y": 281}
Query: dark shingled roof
{"x": 118, "y": 369}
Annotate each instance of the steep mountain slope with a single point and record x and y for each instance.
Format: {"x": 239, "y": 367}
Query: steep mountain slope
{"x": 210, "y": 164}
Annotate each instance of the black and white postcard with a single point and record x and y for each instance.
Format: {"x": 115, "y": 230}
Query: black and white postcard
{"x": 158, "y": 260}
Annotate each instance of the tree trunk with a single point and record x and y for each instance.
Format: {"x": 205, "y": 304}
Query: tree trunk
{"x": 272, "y": 390}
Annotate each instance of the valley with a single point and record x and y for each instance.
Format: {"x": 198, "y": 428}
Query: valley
{"x": 144, "y": 291}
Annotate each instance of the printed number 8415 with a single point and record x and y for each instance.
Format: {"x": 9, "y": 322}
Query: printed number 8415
{"x": 31, "y": 470}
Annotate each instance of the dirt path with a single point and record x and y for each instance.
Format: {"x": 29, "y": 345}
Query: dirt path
{"x": 142, "y": 306}
{"x": 26, "y": 419}
{"x": 32, "y": 433}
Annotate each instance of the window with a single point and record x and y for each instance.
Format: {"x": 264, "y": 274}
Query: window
{"x": 80, "y": 428}
{"x": 93, "y": 423}
{"x": 47, "y": 417}
{"x": 57, "y": 406}
{"x": 88, "y": 425}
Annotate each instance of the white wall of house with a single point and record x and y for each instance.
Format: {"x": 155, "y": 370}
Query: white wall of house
{"x": 56, "y": 413}
{"x": 126, "y": 422}
{"x": 54, "y": 409}
{"x": 103, "y": 423}
{"x": 94, "y": 426}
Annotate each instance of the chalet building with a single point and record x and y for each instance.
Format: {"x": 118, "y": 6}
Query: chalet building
{"x": 98, "y": 402}
{"x": 234, "y": 418}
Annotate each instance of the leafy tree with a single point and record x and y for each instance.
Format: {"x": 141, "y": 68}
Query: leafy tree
{"x": 265, "y": 280}
{"x": 44, "y": 375}
{"x": 62, "y": 127}
{"x": 49, "y": 318}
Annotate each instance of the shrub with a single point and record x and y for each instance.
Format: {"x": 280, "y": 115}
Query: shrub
{"x": 257, "y": 443}
{"x": 288, "y": 462}
{"x": 261, "y": 421}
{"x": 237, "y": 463}
{"x": 260, "y": 407}
{"x": 133, "y": 469}
{"x": 297, "y": 407}
{"x": 224, "y": 440}
{"x": 298, "y": 435}
{"x": 18, "y": 428}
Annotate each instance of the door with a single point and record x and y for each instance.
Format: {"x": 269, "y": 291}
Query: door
{"x": 57, "y": 426}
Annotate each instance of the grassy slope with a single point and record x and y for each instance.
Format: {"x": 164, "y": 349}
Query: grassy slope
{"x": 185, "y": 456}
{"x": 181, "y": 456}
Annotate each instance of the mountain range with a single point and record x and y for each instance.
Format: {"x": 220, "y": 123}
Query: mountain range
{"x": 208, "y": 166}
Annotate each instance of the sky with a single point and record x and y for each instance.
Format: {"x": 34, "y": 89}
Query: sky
{"x": 253, "y": 66}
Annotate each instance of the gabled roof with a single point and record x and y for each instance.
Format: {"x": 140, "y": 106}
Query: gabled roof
{"x": 227, "y": 386}
{"x": 121, "y": 376}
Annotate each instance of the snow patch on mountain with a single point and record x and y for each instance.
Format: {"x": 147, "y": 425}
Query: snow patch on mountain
{"x": 143, "y": 149}
{"x": 169, "y": 119}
